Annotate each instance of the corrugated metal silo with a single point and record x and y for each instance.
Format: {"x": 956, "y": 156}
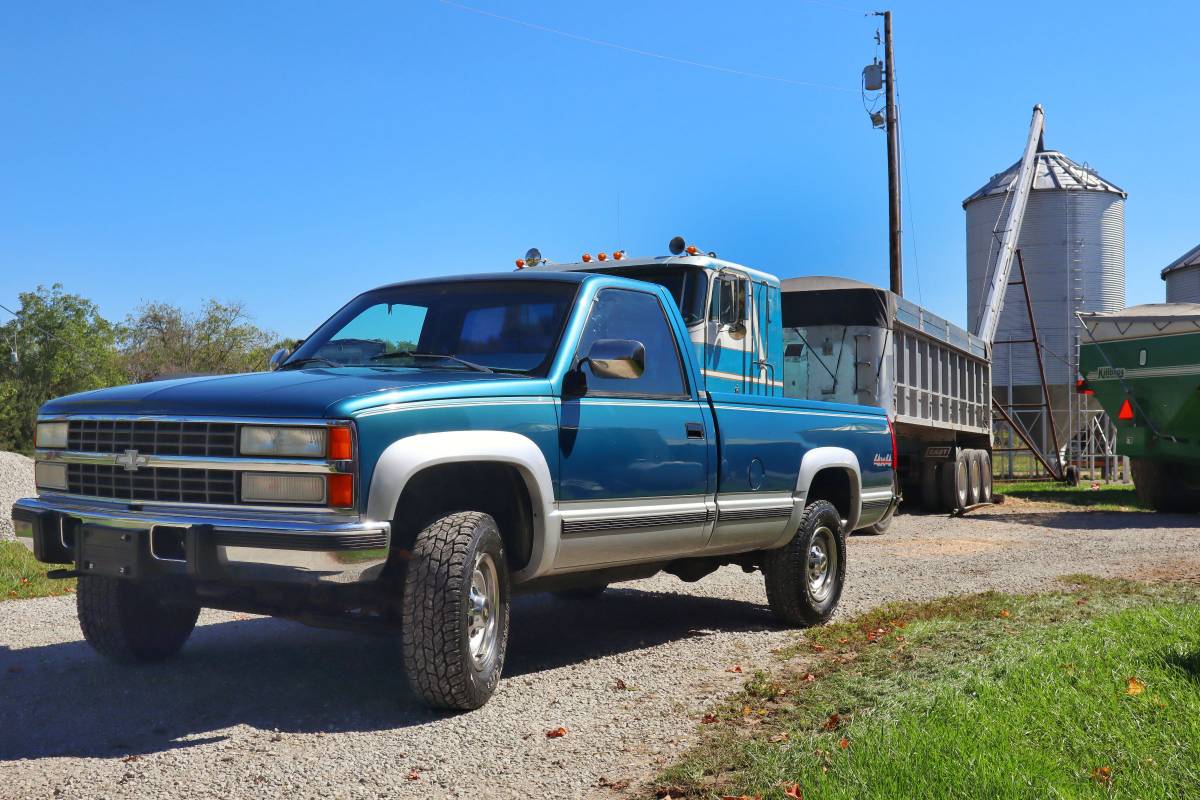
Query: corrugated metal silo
{"x": 1183, "y": 278}
{"x": 1073, "y": 246}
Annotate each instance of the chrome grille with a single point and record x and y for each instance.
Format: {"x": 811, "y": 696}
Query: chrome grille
{"x": 153, "y": 437}
{"x": 161, "y": 484}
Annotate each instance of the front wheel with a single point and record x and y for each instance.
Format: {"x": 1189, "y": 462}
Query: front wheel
{"x": 129, "y": 622}
{"x": 804, "y": 578}
{"x": 455, "y": 611}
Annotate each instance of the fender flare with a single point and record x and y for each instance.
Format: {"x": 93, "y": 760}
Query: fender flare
{"x": 813, "y": 462}
{"x": 406, "y": 457}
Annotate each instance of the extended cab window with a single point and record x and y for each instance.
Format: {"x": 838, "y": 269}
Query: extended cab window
{"x": 624, "y": 314}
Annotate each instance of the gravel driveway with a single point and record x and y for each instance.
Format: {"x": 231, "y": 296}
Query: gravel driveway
{"x": 259, "y": 707}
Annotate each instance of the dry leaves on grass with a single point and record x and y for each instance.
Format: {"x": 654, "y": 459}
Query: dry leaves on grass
{"x": 1005, "y": 613}
{"x": 808, "y": 677}
{"x": 832, "y": 723}
{"x": 844, "y": 743}
{"x": 708, "y": 719}
{"x": 556, "y": 733}
{"x": 1102, "y": 776}
{"x": 1134, "y": 686}
{"x": 794, "y": 791}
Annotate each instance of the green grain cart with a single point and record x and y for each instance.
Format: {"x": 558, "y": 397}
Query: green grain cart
{"x": 1143, "y": 366}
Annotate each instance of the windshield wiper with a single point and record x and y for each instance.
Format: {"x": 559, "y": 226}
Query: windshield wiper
{"x": 411, "y": 354}
{"x": 302, "y": 362}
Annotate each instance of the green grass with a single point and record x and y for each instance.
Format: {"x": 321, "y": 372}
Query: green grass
{"x": 1109, "y": 497}
{"x": 985, "y": 696}
{"x": 22, "y": 576}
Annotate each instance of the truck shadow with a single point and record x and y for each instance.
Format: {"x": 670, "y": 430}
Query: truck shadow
{"x": 1092, "y": 520}
{"x": 273, "y": 675}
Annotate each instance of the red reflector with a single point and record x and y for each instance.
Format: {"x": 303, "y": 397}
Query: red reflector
{"x": 1081, "y": 386}
{"x": 340, "y": 446}
{"x": 1126, "y": 412}
{"x": 340, "y": 490}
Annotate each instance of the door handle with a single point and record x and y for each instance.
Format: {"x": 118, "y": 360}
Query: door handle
{"x": 694, "y": 430}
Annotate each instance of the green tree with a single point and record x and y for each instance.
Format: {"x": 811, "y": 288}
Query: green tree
{"x": 161, "y": 340}
{"x": 57, "y": 344}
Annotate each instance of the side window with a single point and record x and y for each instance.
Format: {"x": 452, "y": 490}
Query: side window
{"x": 623, "y": 314}
{"x": 728, "y": 300}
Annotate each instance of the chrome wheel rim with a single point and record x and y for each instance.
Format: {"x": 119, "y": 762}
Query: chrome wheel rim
{"x": 822, "y": 563}
{"x": 483, "y": 603}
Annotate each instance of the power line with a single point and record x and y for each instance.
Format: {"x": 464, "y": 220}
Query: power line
{"x": 648, "y": 53}
{"x": 904, "y": 170}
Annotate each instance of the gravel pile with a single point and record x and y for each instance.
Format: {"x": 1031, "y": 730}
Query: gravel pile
{"x": 257, "y": 707}
{"x": 16, "y": 481}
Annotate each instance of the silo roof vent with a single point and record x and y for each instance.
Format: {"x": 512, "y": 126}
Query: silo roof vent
{"x": 1053, "y": 171}
{"x": 1189, "y": 259}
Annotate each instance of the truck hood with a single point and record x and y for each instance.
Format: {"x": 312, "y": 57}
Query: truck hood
{"x": 302, "y": 393}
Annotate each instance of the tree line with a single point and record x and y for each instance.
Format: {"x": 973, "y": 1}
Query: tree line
{"x": 58, "y": 343}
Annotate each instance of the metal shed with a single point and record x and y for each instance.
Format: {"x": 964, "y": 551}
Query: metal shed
{"x": 1183, "y": 277}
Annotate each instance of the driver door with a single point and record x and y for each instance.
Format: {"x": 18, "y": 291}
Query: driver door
{"x": 634, "y": 452}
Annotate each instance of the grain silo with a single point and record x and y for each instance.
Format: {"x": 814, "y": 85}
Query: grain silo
{"x": 1183, "y": 277}
{"x": 1072, "y": 244}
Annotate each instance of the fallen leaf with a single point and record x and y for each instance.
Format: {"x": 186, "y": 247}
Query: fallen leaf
{"x": 131, "y": 759}
{"x": 1102, "y": 776}
{"x": 735, "y": 668}
{"x": 808, "y": 677}
{"x": 794, "y": 791}
{"x": 620, "y": 685}
{"x": 818, "y": 648}
{"x": 780, "y": 737}
{"x": 1005, "y": 613}
{"x": 1134, "y": 687}
{"x": 556, "y": 733}
{"x": 708, "y": 719}
{"x": 844, "y": 743}
{"x": 832, "y": 723}
{"x": 843, "y": 640}
{"x": 740, "y": 797}
{"x": 414, "y": 774}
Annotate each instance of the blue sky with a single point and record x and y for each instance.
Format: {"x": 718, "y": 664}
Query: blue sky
{"x": 292, "y": 154}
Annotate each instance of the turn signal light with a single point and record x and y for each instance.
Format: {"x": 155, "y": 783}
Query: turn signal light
{"x": 341, "y": 446}
{"x": 340, "y": 490}
{"x": 1126, "y": 412}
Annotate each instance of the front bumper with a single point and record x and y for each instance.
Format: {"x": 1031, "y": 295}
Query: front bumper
{"x": 101, "y": 538}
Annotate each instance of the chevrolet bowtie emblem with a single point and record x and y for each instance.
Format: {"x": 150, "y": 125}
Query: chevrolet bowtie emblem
{"x": 130, "y": 460}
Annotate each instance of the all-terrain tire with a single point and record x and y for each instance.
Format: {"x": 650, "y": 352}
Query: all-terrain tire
{"x": 789, "y": 570}
{"x": 955, "y": 482}
{"x": 1162, "y": 485}
{"x": 128, "y": 622}
{"x": 974, "y": 477}
{"x": 440, "y": 596}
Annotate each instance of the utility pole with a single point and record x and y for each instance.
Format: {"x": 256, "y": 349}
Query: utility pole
{"x": 895, "y": 255}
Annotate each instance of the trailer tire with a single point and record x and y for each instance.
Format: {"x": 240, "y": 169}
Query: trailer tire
{"x": 804, "y": 578}
{"x": 931, "y": 486}
{"x": 881, "y": 527}
{"x": 974, "y": 477}
{"x": 985, "y": 476}
{"x": 1160, "y": 485}
{"x": 455, "y": 611}
{"x": 128, "y": 622}
{"x": 955, "y": 480}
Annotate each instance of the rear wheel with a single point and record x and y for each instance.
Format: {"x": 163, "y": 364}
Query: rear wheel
{"x": 955, "y": 482}
{"x": 974, "y": 477}
{"x": 985, "y": 476}
{"x": 127, "y": 621}
{"x": 804, "y": 578}
{"x": 1163, "y": 485}
{"x": 455, "y": 611}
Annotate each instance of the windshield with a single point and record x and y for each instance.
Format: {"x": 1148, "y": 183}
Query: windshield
{"x": 688, "y": 285}
{"x": 502, "y": 326}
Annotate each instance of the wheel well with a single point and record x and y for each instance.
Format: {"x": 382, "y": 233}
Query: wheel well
{"x": 493, "y": 488}
{"x": 831, "y": 484}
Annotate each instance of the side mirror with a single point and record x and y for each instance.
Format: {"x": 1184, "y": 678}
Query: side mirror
{"x": 617, "y": 358}
{"x": 278, "y": 357}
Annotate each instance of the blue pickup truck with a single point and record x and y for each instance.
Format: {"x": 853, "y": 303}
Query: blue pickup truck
{"x": 439, "y": 445}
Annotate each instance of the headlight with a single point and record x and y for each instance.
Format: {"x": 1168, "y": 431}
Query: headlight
{"x": 51, "y": 435}
{"x": 277, "y": 441}
{"x": 276, "y": 487}
{"x": 50, "y": 475}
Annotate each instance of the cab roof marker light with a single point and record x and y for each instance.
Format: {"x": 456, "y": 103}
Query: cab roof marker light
{"x": 602, "y": 256}
{"x": 587, "y": 258}
{"x": 618, "y": 255}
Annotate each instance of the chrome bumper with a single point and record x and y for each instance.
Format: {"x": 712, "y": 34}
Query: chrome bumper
{"x": 239, "y": 545}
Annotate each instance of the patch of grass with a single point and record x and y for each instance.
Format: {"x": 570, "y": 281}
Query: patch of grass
{"x": 1093, "y": 691}
{"x": 1109, "y": 497}
{"x": 22, "y": 576}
